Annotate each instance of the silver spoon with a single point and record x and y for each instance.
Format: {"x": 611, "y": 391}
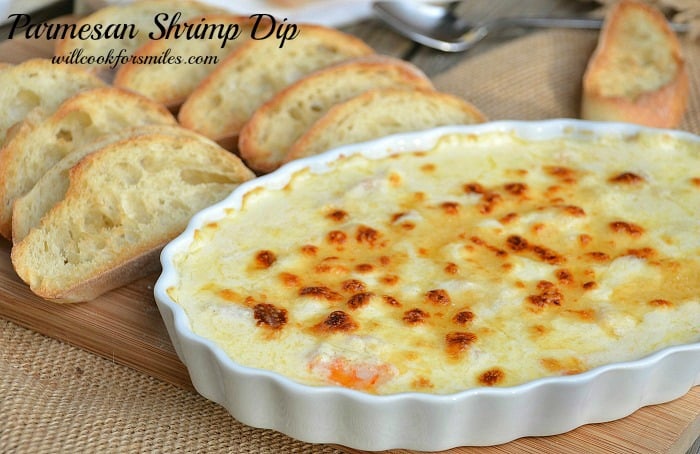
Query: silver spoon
{"x": 434, "y": 25}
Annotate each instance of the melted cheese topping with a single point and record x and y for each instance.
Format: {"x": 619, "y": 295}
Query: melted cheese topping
{"x": 486, "y": 261}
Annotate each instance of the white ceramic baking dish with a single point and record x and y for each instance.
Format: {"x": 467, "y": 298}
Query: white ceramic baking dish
{"x": 476, "y": 417}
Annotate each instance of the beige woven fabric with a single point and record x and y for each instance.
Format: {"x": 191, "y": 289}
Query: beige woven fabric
{"x": 539, "y": 77}
{"x": 57, "y": 398}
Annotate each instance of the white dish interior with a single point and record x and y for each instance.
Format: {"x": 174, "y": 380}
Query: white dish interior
{"x": 478, "y": 416}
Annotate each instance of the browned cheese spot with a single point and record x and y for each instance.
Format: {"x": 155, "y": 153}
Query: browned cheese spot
{"x": 584, "y": 239}
{"x": 564, "y": 276}
{"x": 566, "y": 366}
{"x": 364, "y": 268}
{"x": 492, "y": 377}
{"x": 662, "y": 303}
{"x": 597, "y": 256}
{"x": 391, "y": 301}
{"x": 367, "y": 235}
{"x": 457, "y": 342}
{"x": 517, "y": 243}
{"x": 642, "y": 253}
{"x": 547, "y": 255}
{"x": 517, "y": 189}
{"x": 573, "y": 210}
{"x": 329, "y": 265}
{"x": 229, "y": 294}
{"x": 489, "y": 201}
{"x": 538, "y": 331}
{"x": 396, "y": 216}
{"x": 473, "y": 188}
{"x": 586, "y": 315}
{"x": 264, "y": 259}
{"x": 478, "y": 241}
{"x": 627, "y": 178}
{"x": 508, "y": 218}
{"x": 309, "y": 250}
{"x": 438, "y": 296}
{"x": 451, "y": 268}
{"x": 563, "y": 174}
{"x": 337, "y": 215}
{"x": 549, "y": 295}
{"x": 463, "y": 317}
{"x": 395, "y": 179}
{"x": 269, "y": 316}
{"x": 337, "y": 321}
{"x": 322, "y": 293}
{"x": 626, "y": 227}
{"x": 590, "y": 285}
{"x": 415, "y": 316}
{"x": 337, "y": 237}
{"x": 390, "y": 279}
{"x": 422, "y": 383}
{"x": 359, "y": 300}
{"x": 354, "y": 286}
{"x": 450, "y": 208}
{"x": 289, "y": 279}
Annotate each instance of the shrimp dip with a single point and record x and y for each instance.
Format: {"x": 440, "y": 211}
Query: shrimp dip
{"x": 488, "y": 260}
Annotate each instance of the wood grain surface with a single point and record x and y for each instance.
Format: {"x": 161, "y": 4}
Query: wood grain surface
{"x": 125, "y": 327}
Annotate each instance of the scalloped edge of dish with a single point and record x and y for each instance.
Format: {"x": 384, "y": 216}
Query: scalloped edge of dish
{"x": 426, "y": 422}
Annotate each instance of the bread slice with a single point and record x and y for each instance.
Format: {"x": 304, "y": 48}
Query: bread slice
{"x": 276, "y": 125}
{"x": 637, "y": 72}
{"x": 80, "y": 119}
{"x": 128, "y": 17}
{"x": 40, "y": 85}
{"x": 124, "y": 202}
{"x": 381, "y": 112}
{"x": 182, "y": 79}
{"x": 255, "y": 71}
{"x": 50, "y": 189}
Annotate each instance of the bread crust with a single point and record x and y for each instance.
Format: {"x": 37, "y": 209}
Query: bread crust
{"x": 321, "y": 89}
{"x": 141, "y": 264}
{"x": 325, "y": 134}
{"x": 72, "y": 257}
{"x": 210, "y": 113}
{"x": 183, "y": 78}
{"x": 37, "y": 134}
{"x": 664, "y": 105}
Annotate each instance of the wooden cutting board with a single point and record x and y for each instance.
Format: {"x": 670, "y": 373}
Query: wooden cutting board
{"x": 125, "y": 326}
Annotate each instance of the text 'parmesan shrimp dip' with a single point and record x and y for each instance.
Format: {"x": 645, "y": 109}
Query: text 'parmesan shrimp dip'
{"x": 488, "y": 260}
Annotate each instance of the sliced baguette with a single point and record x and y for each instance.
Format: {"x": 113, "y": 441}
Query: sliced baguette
{"x": 380, "y": 112}
{"x": 139, "y": 15}
{"x": 182, "y": 79}
{"x": 37, "y": 85}
{"x": 124, "y": 202}
{"x": 80, "y": 119}
{"x": 273, "y": 128}
{"x": 51, "y": 188}
{"x": 254, "y": 72}
{"x": 637, "y": 72}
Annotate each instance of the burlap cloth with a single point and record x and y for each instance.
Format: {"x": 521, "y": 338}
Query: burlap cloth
{"x": 58, "y": 398}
